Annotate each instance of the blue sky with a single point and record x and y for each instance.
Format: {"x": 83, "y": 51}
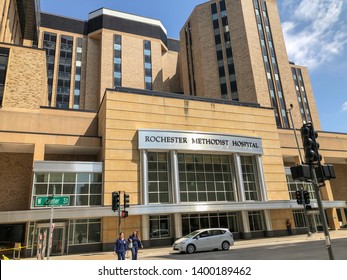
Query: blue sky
{"x": 315, "y": 33}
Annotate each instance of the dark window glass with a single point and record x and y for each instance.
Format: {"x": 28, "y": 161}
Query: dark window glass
{"x": 214, "y": 8}
{"x": 223, "y": 89}
{"x": 226, "y": 37}
{"x": 217, "y": 39}
{"x": 224, "y": 21}
{"x": 221, "y": 71}
{"x": 215, "y": 24}
{"x": 219, "y": 55}
{"x": 231, "y": 69}
{"x": 233, "y": 86}
{"x": 229, "y": 52}
{"x": 222, "y": 5}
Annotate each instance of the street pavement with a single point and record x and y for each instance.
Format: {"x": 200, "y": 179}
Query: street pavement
{"x": 155, "y": 253}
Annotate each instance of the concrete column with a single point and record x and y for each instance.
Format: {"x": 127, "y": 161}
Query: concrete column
{"x": 144, "y": 176}
{"x": 175, "y": 178}
{"x": 178, "y": 225}
{"x": 246, "y": 234}
{"x": 239, "y": 178}
{"x": 39, "y": 152}
{"x": 268, "y": 224}
{"x": 145, "y": 227}
{"x": 262, "y": 185}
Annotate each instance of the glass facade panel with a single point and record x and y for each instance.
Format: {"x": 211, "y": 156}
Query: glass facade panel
{"x": 250, "y": 181}
{"x": 202, "y": 181}
{"x": 191, "y": 222}
{"x": 293, "y": 186}
{"x": 158, "y": 178}
{"x": 84, "y": 189}
{"x": 255, "y": 220}
{"x": 159, "y": 227}
{"x": 85, "y": 231}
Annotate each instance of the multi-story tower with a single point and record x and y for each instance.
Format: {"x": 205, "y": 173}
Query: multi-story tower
{"x": 110, "y": 49}
{"x": 234, "y": 50}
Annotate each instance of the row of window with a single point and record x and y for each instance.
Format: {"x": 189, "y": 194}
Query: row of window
{"x": 190, "y": 60}
{"x": 202, "y": 178}
{"x": 225, "y": 75}
{"x": 270, "y": 62}
{"x": 301, "y": 95}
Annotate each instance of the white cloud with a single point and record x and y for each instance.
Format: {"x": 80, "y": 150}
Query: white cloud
{"x": 344, "y": 107}
{"x": 315, "y": 32}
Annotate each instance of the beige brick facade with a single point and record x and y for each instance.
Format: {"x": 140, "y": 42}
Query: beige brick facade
{"x": 25, "y": 64}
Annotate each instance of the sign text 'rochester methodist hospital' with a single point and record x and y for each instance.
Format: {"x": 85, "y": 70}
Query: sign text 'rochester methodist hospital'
{"x": 185, "y": 140}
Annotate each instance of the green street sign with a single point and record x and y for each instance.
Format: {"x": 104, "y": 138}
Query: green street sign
{"x": 52, "y": 200}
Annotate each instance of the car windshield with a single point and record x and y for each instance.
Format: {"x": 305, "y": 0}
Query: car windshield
{"x": 192, "y": 234}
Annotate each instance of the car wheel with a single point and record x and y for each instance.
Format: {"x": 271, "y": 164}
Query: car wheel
{"x": 225, "y": 245}
{"x": 190, "y": 249}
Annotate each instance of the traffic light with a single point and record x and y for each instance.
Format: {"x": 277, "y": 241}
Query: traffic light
{"x": 124, "y": 214}
{"x": 306, "y": 197}
{"x": 309, "y": 135}
{"x": 115, "y": 201}
{"x": 126, "y": 200}
{"x": 298, "y": 197}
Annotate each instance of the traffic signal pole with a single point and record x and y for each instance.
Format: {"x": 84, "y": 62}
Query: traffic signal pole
{"x": 305, "y": 213}
{"x": 322, "y": 214}
{"x": 119, "y": 220}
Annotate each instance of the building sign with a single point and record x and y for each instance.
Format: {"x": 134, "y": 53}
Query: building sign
{"x": 193, "y": 141}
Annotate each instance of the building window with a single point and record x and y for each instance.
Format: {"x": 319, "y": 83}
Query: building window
{"x": 255, "y": 220}
{"x": 205, "y": 178}
{"x": 85, "y": 231}
{"x": 293, "y": 186}
{"x": 158, "y": 178}
{"x": 117, "y": 60}
{"x": 148, "y": 64}
{"x": 78, "y": 72}
{"x": 84, "y": 189}
{"x": 192, "y": 222}
{"x": 64, "y": 74}
{"x": 159, "y": 227}
{"x": 4, "y": 54}
{"x": 250, "y": 181}
{"x": 49, "y": 44}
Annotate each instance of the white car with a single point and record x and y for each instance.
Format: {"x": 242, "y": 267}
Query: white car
{"x": 204, "y": 240}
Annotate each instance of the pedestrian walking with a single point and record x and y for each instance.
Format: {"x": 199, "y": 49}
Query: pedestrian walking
{"x": 134, "y": 244}
{"x": 289, "y": 227}
{"x": 120, "y": 247}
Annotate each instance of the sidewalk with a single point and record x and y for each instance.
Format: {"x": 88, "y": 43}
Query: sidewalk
{"x": 153, "y": 253}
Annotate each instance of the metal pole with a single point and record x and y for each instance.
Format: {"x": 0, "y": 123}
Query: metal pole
{"x": 49, "y": 234}
{"x": 322, "y": 214}
{"x": 296, "y": 138}
{"x": 305, "y": 213}
{"x": 50, "y": 228}
{"x": 119, "y": 215}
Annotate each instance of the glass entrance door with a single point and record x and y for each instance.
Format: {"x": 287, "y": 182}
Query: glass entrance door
{"x": 58, "y": 238}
